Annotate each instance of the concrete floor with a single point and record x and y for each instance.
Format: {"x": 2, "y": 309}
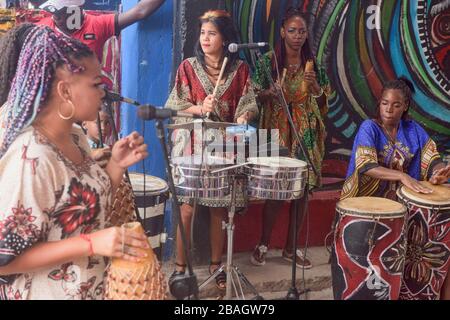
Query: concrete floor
{"x": 273, "y": 280}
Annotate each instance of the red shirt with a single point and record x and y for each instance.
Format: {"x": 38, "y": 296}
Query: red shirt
{"x": 94, "y": 32}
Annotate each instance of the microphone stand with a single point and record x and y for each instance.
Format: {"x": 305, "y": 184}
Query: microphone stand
{"x": 293, "y": 293}
{"x": 189, "y": 283}
{"x": 116, "y": 138}
{"x": 182, "y": 286}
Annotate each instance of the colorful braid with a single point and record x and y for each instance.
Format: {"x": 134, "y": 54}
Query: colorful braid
{"x": 43, "y": 52}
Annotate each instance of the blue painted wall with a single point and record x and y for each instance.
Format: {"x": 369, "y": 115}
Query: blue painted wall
{"x": 147, "y": 50}
{"x": 146, "y": 69}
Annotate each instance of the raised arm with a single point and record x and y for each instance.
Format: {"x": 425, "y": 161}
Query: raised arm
{"x": 139, "y": 12}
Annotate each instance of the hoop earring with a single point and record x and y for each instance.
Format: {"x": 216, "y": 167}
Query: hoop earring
{"x": 71, "y": 114}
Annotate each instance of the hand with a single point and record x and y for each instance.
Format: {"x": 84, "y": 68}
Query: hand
{"x": 108, "y": 243}
{"x": 129, "y": 150}
{"x": 440, "y": 176}
{"x": 209, "y": 104}
{"x": 243, "y": 119}
{"x": 101, "y": 156}
{"x": 311, "y": 78}
{"x": 270, "y": 93}
{"x": 413, "y": 184}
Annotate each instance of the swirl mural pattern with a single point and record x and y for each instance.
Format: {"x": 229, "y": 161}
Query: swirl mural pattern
{"x": 363, "y": 44}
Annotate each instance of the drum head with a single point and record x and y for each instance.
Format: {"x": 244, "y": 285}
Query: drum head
{"x": 277, "y": 162}
{"x": 153, "y": 185}
{"x": 371, "y": 206}
{"x": 439, "y": 197}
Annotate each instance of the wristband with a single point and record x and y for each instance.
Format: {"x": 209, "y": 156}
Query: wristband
{"x": 88, "y": 239}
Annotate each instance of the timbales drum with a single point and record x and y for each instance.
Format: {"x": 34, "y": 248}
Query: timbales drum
{"x": 151, "y": 194}
{"x": 369, "y": 249}
{"x": 276, "y": 178}
{"x": 193, "y": 177}
{"x": 428, "y": 234}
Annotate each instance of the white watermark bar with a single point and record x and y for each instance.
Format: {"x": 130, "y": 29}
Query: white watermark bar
{"x": 234, "y": 143}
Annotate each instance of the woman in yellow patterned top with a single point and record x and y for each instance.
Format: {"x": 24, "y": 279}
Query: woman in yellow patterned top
{"x": 306, "y": 92}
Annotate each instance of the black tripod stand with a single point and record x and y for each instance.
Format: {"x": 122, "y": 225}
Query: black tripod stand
{"x": 182, "y": 286}
{"x": 293, "y": 293}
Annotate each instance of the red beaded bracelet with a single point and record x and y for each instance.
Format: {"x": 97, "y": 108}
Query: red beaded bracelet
{"x": 88, "y": 239}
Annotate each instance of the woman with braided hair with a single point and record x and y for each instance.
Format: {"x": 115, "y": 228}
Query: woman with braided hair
{"x": 53, "y": 196}
{"x": 10, "y": 47}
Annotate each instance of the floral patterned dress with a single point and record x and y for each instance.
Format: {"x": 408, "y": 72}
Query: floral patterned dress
{"x": 46, "y": 197}
{"x": 307, "y": 115}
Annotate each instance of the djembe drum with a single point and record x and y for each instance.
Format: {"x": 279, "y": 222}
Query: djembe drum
{"x": 369, "y": 249}
{"x": 127, "y": 280}
{"x": 428, "y": 235}
{"x": 151, "y": 194}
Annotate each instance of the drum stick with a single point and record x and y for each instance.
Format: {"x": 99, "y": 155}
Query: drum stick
{"x": 283, "y": 77}
{"x": 222, "y": 70}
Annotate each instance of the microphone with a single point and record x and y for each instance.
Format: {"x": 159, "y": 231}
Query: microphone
{"x": 234, "y": 47}
{"x": 115, "y": 97}
{"x": 149, "y": 112}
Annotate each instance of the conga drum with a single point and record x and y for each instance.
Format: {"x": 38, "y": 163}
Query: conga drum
{"x": 369, "y": 249}
{"x": 143, "y": 280}
{"x": 428, "y": 235}
{"x": 151, "y": 194}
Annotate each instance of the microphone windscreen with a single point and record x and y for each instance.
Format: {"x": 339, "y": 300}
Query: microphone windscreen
{"x": 233, "y": 47}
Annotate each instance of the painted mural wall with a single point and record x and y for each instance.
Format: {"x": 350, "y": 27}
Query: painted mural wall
{"x": 363, "y": 44}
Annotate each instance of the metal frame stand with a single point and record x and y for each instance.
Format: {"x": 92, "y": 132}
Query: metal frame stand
{"x": 235, "y": 278}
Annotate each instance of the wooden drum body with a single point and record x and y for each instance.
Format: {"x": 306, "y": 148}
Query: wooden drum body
{"x": 369, "y": 249}
{"x": 428, "y": 235}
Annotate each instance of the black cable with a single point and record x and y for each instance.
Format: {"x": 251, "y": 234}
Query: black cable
{"x": 100, "y": 134}
{"x": 115, "y": 134}
{"x": 145, "y": 183}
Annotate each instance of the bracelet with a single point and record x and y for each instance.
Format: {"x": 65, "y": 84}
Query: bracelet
{"x": 319, "y": 95}
{"x": 88, "y": 239}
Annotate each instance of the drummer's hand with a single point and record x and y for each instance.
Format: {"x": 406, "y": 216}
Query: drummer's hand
{"x": 413, "y": 184}
{"x": 108, "y": 243}
{"x": 244, "y": 119}
{"x": 209, "y": 104}
{"x": 440, "y": 176}
{"x": 129, "y": 150}
{"x": 101, "y": 156}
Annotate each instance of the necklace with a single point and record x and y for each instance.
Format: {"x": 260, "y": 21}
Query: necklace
{"x": 388, "y": 133}
{"x": 214, "y": 71}
{"x": 50, "y": 136}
